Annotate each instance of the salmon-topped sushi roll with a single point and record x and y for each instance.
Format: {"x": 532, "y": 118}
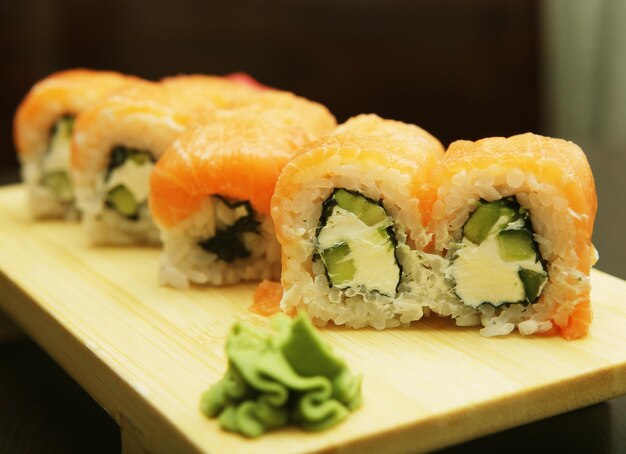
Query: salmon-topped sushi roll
{"x": 351, "y": 214}
{"x": 118, "y": 140}
{"x": 210, "y": 192}
{"x": 223, "y": 92}
{"x": 42, "y": 133}
{"x": 514, "y": 216}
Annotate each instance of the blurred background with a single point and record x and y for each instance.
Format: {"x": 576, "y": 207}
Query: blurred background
{"x": 460, "y": 69}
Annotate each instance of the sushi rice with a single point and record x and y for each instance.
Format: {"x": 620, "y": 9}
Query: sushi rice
{"x": 184, "y": 262}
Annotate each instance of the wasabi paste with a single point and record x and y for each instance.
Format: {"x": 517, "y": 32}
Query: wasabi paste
{"x": 286, "y": 377}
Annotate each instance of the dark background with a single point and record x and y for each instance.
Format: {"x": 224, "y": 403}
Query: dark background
{"x": 462, "y": 69}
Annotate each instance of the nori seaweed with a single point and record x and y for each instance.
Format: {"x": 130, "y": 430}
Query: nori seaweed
{"x": 228, "y": 244}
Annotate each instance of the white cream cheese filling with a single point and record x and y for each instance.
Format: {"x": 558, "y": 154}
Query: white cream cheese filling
{"x": 136, "y": 178}
{"x": 482, "y": 276}
{"x": 371, "y": 251}
{"x": 58, "y": 156}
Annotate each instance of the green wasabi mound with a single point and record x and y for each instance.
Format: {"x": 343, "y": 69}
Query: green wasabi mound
{"x": 286, "y": 377}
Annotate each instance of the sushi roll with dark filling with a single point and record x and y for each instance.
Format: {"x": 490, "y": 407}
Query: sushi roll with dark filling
{"x": 210, "y": 192}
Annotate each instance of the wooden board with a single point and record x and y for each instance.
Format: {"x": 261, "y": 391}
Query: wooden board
{"x": 146, "y": 353}
{"x": 9, "y": 331}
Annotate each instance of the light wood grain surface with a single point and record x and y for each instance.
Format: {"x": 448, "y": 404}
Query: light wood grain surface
{"x": 146, "y": 353}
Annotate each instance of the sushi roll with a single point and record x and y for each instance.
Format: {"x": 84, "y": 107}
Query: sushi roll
{"x": 351, "y": 213}
{"x": 223, "y": 92}
{"x": 210, "y": 192}
{"x": 514, "y": 217}
{"x": 43, "y": 128}
{"x": 118, "y": 140}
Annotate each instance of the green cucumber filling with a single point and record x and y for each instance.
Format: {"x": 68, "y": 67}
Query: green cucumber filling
{"x": 127, "y": 181}
{"x": 235, "y": 225}
{"x": 498, "y": 261}
{"x": 55, "y": 163}
{"x": 357, "y": 244}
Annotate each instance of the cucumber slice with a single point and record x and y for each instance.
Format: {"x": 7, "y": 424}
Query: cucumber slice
{"x": 483, "y": 220}
{"x": 55, "y": 162}
{"x": 123, "y": 201}
{"x": 516, "y": 245}
{"x": 357, "y": 243}
{"x": 127, "y": 181}
{"x": 533, "y": 283}
{"x": 340, "y": 269}
{"x": 478, "y": 226}
{"x": 498, "y": 261}
{"x": 365, "y": 209}
{"x": 140, "y": 157}
{"x": 507, "y": 213}
{"x": 60, "y": 184}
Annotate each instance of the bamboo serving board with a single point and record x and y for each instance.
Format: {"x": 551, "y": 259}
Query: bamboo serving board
{"x": 146, "y": 353}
